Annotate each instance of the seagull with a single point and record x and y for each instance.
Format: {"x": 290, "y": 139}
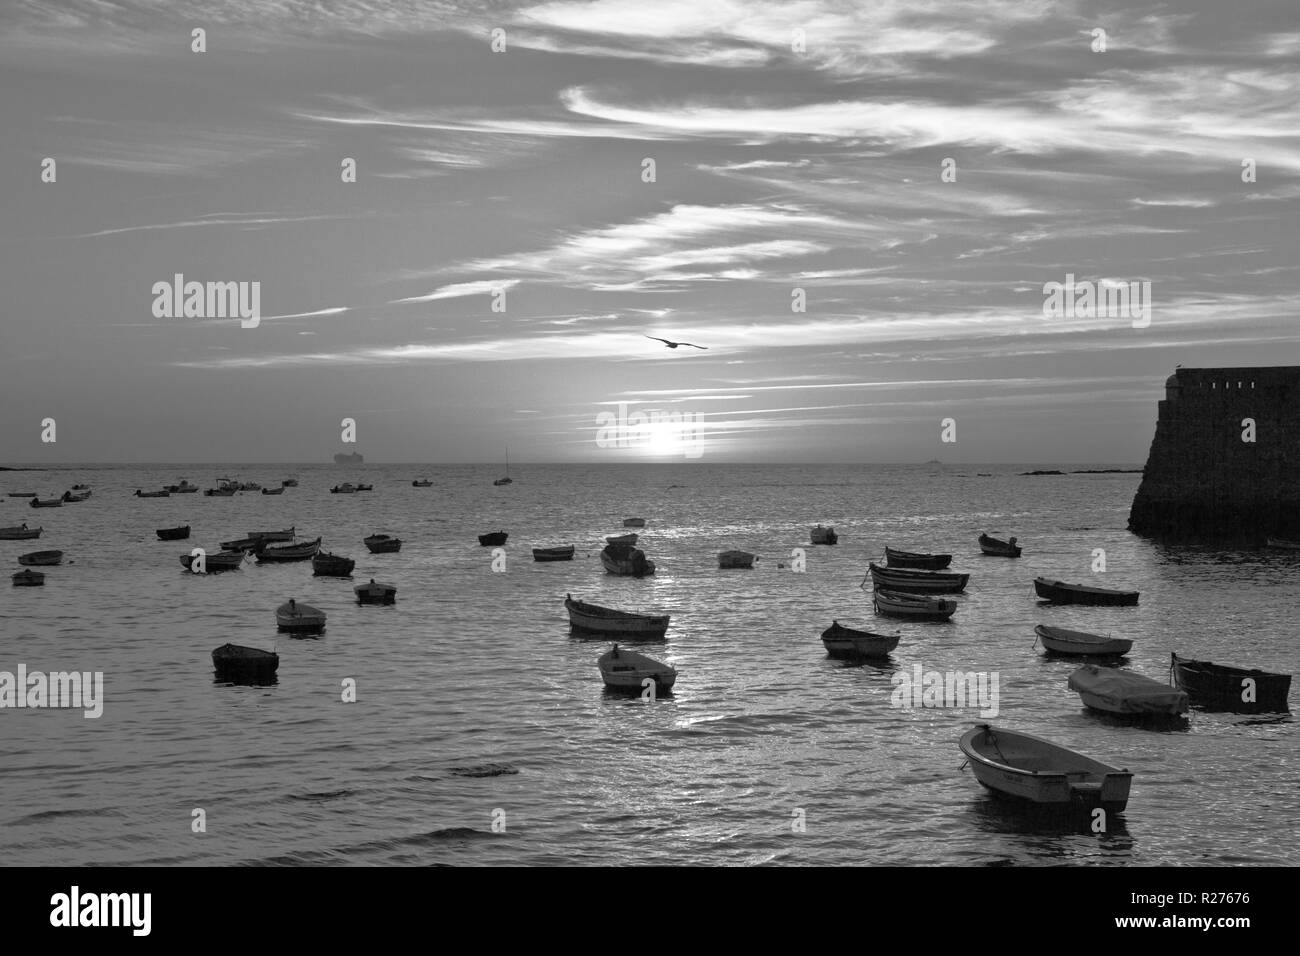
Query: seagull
{"x": 673, "y": 345}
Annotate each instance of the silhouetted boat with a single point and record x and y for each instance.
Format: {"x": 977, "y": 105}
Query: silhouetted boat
{"x": 289, "y": 483}
{"x": 238, "y": 664}
{"x": 918, "y": 582}
{"x": 215, "y": 561}
{"x": 594, "y": 619}
{"x": 19, "y": 533}
{"x": 1061, "y": 640}
{"x": 153, "y": 494}
{"x": 22, "y": 494}
{"x": 553, "y": 554}
{"x": 226, "y": 492}
{"x": 242, "y": 544}
{"x": 998, "y": 548}
{"x": 299, "y": 618}
{"x": 735, "y": 559}
{"x": 422, "y": 483}
{"x": 1219, "y": 687}
{"x": 627, "y": 671}
{"x": 622, "y": 539}
{"x": 492, "y": 539}
{"x": 173, "y": 534}
{"x": 506, "y": 480}
{"x": 273, "y": 491}
{"x": 383, "y": 544}
{"x": 916, "y": 606}
{"x": 823, "y": 535}
{"x": 1282, "y": 544}
{"x": 347, "y": 488}
{"x": 70, "y": 498}
{"x": 286, "y": 534}
{"x": 913, "y": 559}
{"x": 375, "y": 593}
{"x": 1058, "y": 592}
{"x": 41, "y": 558}
{"x": 844, "y": 641}
{"x": 184, "y": 488}
{"x": 1040, "y": 772}
{"x": 47, "y": 503}
{"x": 634, "y": 522}
{"x": 365, "y": 487}
{"x": 289, "y": 552}
{"x": 28, "y": 579}
{"x": 626, "y": 562}
{"x": 1122, "y": 692}
{"x": 326, "y": 565}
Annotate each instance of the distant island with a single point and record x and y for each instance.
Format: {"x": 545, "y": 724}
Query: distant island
{"x": 1042, "y": 472}
{"x": 1090, "y": 471}
{"x": 342, "y": 458}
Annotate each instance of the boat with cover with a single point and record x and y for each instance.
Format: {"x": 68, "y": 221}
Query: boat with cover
{"x": 916, "y": 606}
{"x": 846, "y": 642}
{"x": 1234, "y": 689}
{"x": 1058, "y": 592}
{"x": 28, "y": 579}
{"x": 237, "y": 664}
{"x": 626, "y": 562}
{"x": 382, "y": 543}
{"x": 594, "y": 619}
{"x": 626, "y": 670}
{"x": 289, "y": 552}
{"x": 554, "y": 554}
{"x": 1035, "y": 770}
{"x": 299, "y": 618}
{"x": 492, "y": 539}
{"x": 375, "y": 593}
{"x": 326, "y": 565}
{"x": 1115, "y": 691}
{"x": 998, "y": 548}
{"x": 1062, "y": 640}
{"x": 917, "y": 560}
{"x": 918, "y": 582}
{"x": 41, "y": 558}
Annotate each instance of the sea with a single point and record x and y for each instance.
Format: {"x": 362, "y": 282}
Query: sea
{"x": 465, "y": 725}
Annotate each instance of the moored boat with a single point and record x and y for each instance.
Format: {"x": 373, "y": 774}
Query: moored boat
{"x": 347, "y": 488}
{"x": 736, "y": 559}
{"x": 1282, "y": 544}
{"x": 242, "y": 544}
{"x": 626, "y": 670}
{"x": 1029, "y": 768}
{"x": 19, "y": 533}
{"x": 80, "y": 487}
{"x": 422, "y": 483}
{"x": 916, "y": 606}
{"x": 365, "y": 487}
{"x": 184, "y": 488}
{"x": 22, "y": 494}
{"x": 28, "y": 579}
{"x": 286, "y": 534}
{"x": 634, "y": 522}
{"x": 626, "y": 562}
{"x": 289, "y": 552}
{"x": 299, "y": 618}
{"x": 226, "y": 492}
{"x": 1062, "y": 640}
{"x": 594, "y": 619}
{"x": 41, "y": 558}
{"x": 622, "y": 539}
{"x": 326, "y": 565}
{"x": 46, "y": 503}
{"x": 153, "y": 494}
{"x": 273, "y": 491}
{"x": 917, "y": 560}
{"x": 823, "y": 535}
{"x": 215, "y": 561}
{"x": 237, "y": 664}
{"x": 998, "y": 548}
{"x": 1235, "y": 689}
{"x": 289, "y": 483}
{"x": 173, "y": 534}
{"x": 493, "y": 539}
{"x": 918, "y": 582}
{"x": 383, "y": 543}
{"x": 846, "y": 642}
{"x": 1058, "y": 592}
{"x": 1122, "y": 692}
{"x": 69, "y": 497}
{"x": 375, "y": 592}
{"x": 553, "y": 554}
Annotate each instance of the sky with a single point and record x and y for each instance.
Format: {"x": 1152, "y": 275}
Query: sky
{"x": 855, "y": 207}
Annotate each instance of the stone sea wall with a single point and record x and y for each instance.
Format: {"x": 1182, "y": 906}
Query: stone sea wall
{"x": 1205, "y": 479}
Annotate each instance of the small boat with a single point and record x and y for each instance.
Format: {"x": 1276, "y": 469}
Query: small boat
{"x": 1219, "y": 687}
{"x": 1282, "y": 544}
{"x": 594, "y": 619}
{"x": 73, "y": 499}
{"x": 226, "y": 492}
{"x": 19, "y": 533}
{"x": 506, "y": 480}
{"x": 383, "y": 544}
{"x": 913, "y": 559}
{"x": 1122, "y": 692}
{"x": 242, "y": 544}
{"x": 916, "y": 606}
{"x": 823, "y": 535}
{"x": 626, "y": 562}
{"x": 622, "y": 539}
{"x": 347, "y": 488}
{"x": 326, "y": 565}
{"x": 843, "y": 641}
{"x": 627, "y": 670}
{"x": 273, "y": 491}
{"x": 289, "y": 483}
{"x": 153, "y": 494}
{"x": 634, "y": 522}
{"x": 375, "y": 593}
{"x": 22, "y": 494}
{"x": 219, "y": 561}
{"x": 503, "y": 481}
{"x": 1061, "y": 640}
{"x": 553, "y": 554}
{"x": 365, "y": 487}
{"x": 918, "y": 582}
{"x": 1029, "y": 768}
{"x": 41, "y": 558}
{"x": 28, "y": 579}
{"x": 237, "y": 664}
{"x": 289, "y": 552}
{"x": 173, "y": 534}
{"x": 46, "y": 503}
{"x": 999, "y": 548}
{"x": 299, "y": 618}
{"x": 1058, "y": 592}
{"x": 422, "y": 483}
{"x": 735, "y": 559}
{"x": 492, "y": 539}
{"x": 287, "y": 534}
{"x": 184, "y": 488}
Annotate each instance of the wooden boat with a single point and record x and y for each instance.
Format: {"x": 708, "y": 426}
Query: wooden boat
{"x": 1029, "y": 768}
{"x": 299, "y": 618}
{"x": 226, "y": 492}
{"x": 594, "y": 619}
{"x": 634, "y": 522}
{"x": 287, "y": 534}
{"x": 843, "y": 641}
{"x": 503, "y": 481}
{"x": 492, "y": 539}
{"x": 22, "y": 494}
{"x": 915, "y": 606}
{"x": 1219, "y": 687}
{"x": 184, "y": 488}
{"x": 237, "y": 664}
{"x": 153, "y": 494}
{"x": 383, "y": 544}
{"x": 553, "y": 554}
{"x": 344, "y": 489}
{"x": 46, "y": 559}
{"x": 735, "y": 559}
{"x": 1122, "y": 692}
{"x": 326, "y": 565}
{"x": 822, "y": 535}
{"x": 918, "y": 582}
{"x": 218, "y": 561}
{"x": 289, "y": 552}
{"x": 627, "y": 670}
{"x": 242, "y": 544}
{"x": 19, "y": 533}
{"x": 28, "y": 579}
{"x": 173, "y": 534}
{"x": 622, "y": 539}
{"x": 1000, "y": 549}
{"x": 1058, "y": 592}
{"x": 273, "y": 491}
{"x": 73, "y": 499}
{"x": 913, "y": 559}
{"x": 422, "y": 483}
{"x": 626, "y": 562}
{"x": 46, "y": 503}
{"x": 1061, "y": 640}
{"x": 375, "y": 593}
{"x": 289, "y": 483}
{"x": 1283, "y": 544}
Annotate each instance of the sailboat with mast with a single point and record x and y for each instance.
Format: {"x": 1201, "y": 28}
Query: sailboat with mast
{"x": 507, "y": 480}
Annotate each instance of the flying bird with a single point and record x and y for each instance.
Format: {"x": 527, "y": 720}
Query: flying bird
{"x": 673, "y": 345}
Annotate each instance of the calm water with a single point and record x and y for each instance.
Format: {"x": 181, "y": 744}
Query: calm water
{"x": 474, "y": 671}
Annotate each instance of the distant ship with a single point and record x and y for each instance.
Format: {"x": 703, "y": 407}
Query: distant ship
{"x": 355, "y": 458}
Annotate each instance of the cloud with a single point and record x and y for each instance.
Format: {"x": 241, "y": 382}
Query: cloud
{"x": 461, "y": 289}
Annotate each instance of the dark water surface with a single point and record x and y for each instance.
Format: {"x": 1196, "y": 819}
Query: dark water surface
{"x": 474, "y": 703}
